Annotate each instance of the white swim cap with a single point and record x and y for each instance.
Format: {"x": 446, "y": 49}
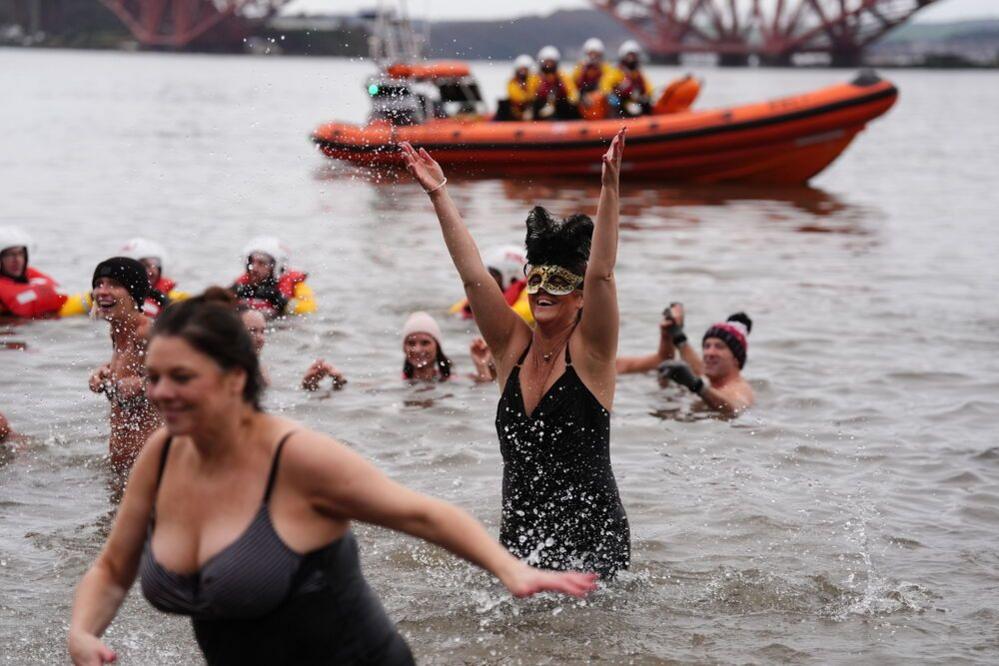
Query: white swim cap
{"x": 143, "y": 248}
{"x": 508, "y": 261}
{"x": 630, "y": 46}
{"x": 549, "y": 53}
{"x": 272, "y": 247}
{"x": 14, "y": 237}
{"x": 593, "y": 44}
{"x": 523, "y": 61}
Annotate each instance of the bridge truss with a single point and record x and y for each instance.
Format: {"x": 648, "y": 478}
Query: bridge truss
{"x": 772, "y": 30}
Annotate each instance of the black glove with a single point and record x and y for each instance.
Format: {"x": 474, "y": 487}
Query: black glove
{"x": 675, "y": 330}
{"x": 680, "y": 372}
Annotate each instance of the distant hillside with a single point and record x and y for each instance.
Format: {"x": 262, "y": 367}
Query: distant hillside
{"x": 950, "y": 44}
{"x": 505, "y": 40}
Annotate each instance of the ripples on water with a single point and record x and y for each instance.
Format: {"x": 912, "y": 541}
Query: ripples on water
{"x": 851, "y": 517}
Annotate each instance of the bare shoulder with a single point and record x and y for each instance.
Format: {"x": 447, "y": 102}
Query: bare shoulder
{"x": 146, "y": 468}
{"x": 308, "y": 453}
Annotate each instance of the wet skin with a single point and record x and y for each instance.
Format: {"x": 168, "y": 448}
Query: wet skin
{"x": 133, "y": 418}
{"x": 14, "y": 261}
{"x": 421, "y": 352}
{"x": 259, "y": 267}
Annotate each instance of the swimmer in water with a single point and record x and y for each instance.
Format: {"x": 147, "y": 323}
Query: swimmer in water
{"x": 120, "y": 288}
{"x": 425, "y": 360}
{"x": 724, "y": 347}
{"x": 5, "y": 431}
{"x": 268, "y": 284}
{"x": 256, "y": 326}
{"x": 24, "y": 290}
{"x": 152, "y": 257}
{"x": 561, "y": 507}
{"x": 242, "y": 520}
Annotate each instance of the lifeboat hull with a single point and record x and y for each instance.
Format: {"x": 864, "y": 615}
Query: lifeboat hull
{"x": 783, "y": 142}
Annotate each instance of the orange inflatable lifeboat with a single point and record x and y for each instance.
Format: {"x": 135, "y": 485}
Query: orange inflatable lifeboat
{"x": 783, "y": 141}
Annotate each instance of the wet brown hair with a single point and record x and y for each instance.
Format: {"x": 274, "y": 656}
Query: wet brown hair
{"x": 210, "y": 324}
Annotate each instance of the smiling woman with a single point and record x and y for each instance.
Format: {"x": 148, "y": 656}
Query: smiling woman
{"x": 561, "y": 507}
{"x": 241, "y": 520}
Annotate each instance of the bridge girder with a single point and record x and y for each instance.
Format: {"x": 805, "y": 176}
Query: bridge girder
{"x": 773, "y": 30}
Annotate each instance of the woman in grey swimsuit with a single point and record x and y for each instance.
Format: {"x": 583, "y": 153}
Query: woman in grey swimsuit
{"x": 561, "y": 508}
{"x": 241, "y": 520}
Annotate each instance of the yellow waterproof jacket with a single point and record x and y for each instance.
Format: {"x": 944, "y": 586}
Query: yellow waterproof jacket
{"x": 521, "y": 95}
{"x": 617, "y": 77}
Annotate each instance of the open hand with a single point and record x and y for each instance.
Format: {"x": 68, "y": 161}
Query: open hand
{"x": 318, "y": 371}
{"x": 527, "y": 581}
{"x": 422, "y": 167}
{"x": 88, "y": 650}
{"x": 612, "y": 158}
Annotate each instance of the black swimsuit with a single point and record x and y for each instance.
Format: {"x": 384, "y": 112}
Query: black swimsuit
{"x": 259, "y": 602}
{"x": 561, "y": 508}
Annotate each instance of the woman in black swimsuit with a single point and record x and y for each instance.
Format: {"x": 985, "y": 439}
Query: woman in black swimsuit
{"x": 561, "y": 508}
{"x": 241, "y": 519}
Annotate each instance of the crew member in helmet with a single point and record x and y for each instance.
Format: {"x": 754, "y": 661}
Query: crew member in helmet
{"x": 590, "y": 72}
{"x": 629, "y": 92}
{"x": 24, "y": 291}
{"x": 555, "y": 95}
{"x": 520, "y": 90}
{"x": 268, "y": 284}
{"x": 506, "y": 265}
{"x": 152, "y": 256}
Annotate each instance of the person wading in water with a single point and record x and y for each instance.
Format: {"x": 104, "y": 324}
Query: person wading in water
{"x": 120, "y": 290}
{"x": 561, "y": 508}
{"x": 241, "y": 519}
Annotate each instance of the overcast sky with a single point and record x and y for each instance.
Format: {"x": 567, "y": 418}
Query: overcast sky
{"x": 942, "y": 10}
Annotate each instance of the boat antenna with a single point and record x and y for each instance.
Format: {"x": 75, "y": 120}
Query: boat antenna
{"x": 393, "y": 38}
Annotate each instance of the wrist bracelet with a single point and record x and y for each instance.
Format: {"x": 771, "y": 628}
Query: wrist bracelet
{"x": 679, "y": 339}
{"x": 437, "y": 187}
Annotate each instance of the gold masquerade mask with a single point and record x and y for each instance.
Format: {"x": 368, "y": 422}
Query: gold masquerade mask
{"x": 555, "y": 280}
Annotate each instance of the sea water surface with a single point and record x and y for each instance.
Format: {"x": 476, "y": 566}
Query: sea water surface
{"x": 852, "y": 516}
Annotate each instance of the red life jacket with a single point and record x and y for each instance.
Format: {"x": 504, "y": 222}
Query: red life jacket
{"x": 35, "y": 298}
{"x": 632, "y": 86}
{"x": 153, "y": 306}
{"x": 551, "y": 86}
{"x": 164, "y": 285}
{"x": 589, "y": 77}
{"x": 285, "y": 287}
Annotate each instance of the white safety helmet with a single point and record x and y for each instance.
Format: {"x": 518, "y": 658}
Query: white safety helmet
{"x": 143, "y": 248}
{"x": 629, "y": 46}
{"x": 593, "y": 44}
{"x": 14, "y": 237}
{"x": 272, "y": 247}
{"x": 523, "y": 61}
{"x": 549, "y": 53}
{"x": 508, "y": 261}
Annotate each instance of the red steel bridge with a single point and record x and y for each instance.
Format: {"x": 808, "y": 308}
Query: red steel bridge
{"x": 772, "y": 30}
{"x": 180, "y": 24}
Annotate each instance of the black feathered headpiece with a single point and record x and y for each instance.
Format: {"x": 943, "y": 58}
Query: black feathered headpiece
{"x": 564, "y": 243}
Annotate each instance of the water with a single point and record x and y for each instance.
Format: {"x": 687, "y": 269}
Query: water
{"x": 852, "y": 516}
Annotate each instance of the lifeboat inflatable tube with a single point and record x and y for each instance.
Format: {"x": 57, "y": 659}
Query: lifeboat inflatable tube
{"x": 781, "y": 142}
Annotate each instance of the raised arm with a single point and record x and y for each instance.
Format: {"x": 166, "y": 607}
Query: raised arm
{"x": 344, "y": 485}
{"x": 600, "y": 322}
{"x": 105, "y": 585}
{"x": 495, "y": 319}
